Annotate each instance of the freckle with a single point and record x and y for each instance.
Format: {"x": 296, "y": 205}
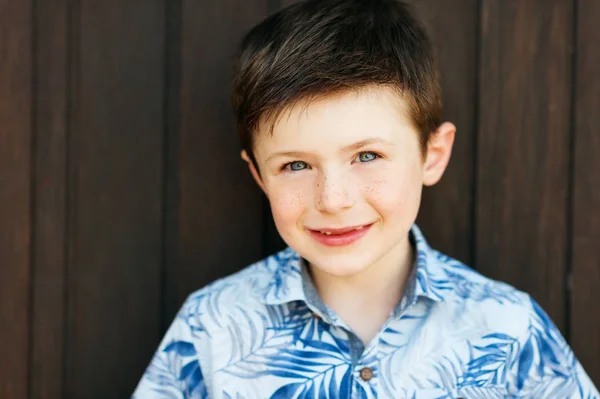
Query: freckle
{"x": 375, "y": 187}
{"x": 293, "y": 198}
{"x": 375, "y": 191}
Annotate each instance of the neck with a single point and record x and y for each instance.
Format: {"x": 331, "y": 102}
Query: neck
{"x": 365, "y": 300}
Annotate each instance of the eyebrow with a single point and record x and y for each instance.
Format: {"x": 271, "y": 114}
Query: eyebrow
{"x": 363, "y": 143}
{"x": 349, "y": 148}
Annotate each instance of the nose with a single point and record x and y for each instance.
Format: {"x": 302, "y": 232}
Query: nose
{"x": 335, "y": 192}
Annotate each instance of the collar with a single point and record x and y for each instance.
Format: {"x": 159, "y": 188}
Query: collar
{"x": 287, "y": 278}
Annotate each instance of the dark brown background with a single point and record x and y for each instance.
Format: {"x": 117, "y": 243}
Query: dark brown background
{"x": 121, "y": 189}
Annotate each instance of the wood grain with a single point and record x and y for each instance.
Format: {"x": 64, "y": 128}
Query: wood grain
{"x": 523, "y": 147}
{"x": 116, "y": 186}
{"x": 446, "y": 209}
{"x": 15, "y": 194}
{"x": 220, "y": 220}
{"x": 50, "y": 184}
{"x": 585, "y": 299}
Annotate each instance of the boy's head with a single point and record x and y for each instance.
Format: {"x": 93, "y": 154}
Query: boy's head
{"x": 339, "y": 113}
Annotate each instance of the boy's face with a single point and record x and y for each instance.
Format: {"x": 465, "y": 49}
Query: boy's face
{"x": 344, "y": 177}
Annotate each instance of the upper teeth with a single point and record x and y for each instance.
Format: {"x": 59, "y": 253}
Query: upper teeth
{"x": 329, "y": 232}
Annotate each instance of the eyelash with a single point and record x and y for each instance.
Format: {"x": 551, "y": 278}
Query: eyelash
{"x": 287, "y": 166}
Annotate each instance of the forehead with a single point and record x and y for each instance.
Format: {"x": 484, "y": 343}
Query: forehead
{"x": 338, "y": 120}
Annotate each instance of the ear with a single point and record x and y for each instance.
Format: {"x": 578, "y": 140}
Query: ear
{"x": 439, "y": 150}
{"x": 253, "y": 170}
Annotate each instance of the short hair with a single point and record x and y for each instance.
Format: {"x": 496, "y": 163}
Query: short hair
{"x": 317, "y": 48}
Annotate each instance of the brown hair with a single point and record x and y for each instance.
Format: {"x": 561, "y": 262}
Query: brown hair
{"x": 317, "y": 48}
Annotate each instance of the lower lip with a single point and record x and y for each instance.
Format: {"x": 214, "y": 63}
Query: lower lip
{"x": 338, "y": 240}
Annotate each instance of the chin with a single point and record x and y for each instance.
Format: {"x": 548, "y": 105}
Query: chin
{"x": 340, "y": 265}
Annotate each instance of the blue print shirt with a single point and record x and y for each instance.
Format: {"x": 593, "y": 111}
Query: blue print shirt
{"x": 264, "y": 333}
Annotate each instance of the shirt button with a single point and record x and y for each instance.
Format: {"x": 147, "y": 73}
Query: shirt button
{"x": 366, "y": 374}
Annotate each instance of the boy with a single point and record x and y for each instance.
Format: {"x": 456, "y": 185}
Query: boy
{"x": 338, "y": 110}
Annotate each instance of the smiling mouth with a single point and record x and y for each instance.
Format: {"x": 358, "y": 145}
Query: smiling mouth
{"x": 345, "y": 230}
{"x": 335, "y": 237}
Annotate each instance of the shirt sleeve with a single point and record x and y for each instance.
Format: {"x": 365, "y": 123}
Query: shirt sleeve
{"x": 174, "y": 371}
{"x": 544, "y": 365}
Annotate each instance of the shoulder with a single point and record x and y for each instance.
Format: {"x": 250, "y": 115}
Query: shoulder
{"x": 504, "y": 325}
{"x": 497, "y": 305}
{"x": 213, "y": 317}
{"x": 246, "y": 291}
{"x": 471, "y": 285}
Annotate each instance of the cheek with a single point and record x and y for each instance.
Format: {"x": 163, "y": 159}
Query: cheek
{"x": 396, "y": 193}
{"x": 287, "y": 205}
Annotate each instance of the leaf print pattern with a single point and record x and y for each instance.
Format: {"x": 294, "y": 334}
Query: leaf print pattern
{"x": 488, "y": 362}
{"x": 455, "y": 333}
{"x": 189, "y": 374}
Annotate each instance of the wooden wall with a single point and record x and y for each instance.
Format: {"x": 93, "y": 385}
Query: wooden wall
{"x": 121, "y": 188}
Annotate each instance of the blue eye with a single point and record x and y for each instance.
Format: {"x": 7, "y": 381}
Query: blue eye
{"x": 297, "y": 166}
{"x": 367, "y": 156}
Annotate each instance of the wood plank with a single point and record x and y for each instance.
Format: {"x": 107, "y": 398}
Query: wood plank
{"x": 116, "y": 186}
{"x": 49, "y": 262}
{"x": 220, "y": 210}
{"x": 585, "y": 298}
{"x": 523, "y": 147}
{"x": 172, "y": 192}
{"x": 446, "y": 209}
{"x": 15, "y": 194}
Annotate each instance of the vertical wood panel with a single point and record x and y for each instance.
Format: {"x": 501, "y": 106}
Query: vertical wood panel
{"x": 446, "y": 209}
{"x": 171, "y": 183}
{"x": 115, "y": 210}
{"x": 585, "y": 322}
{"x": 15, "y": 196}
{"x": 49, "y": 316}
{"x": 523, "y": 147}
{"x": 220, "y": 212}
